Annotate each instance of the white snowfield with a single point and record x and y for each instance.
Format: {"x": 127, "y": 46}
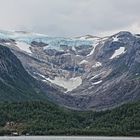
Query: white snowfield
{"x": 82, "y": 38}
{"x": 83, "y": 62}
{"x": 97, "y": 64}
{"x": 115, "y": 39}
{"x": 68, "y": 84}
{"x": 95, "y": 76}
{"x": 23, "y": 46}
{"x": 92, "y": 51}
{"x": 118, "y": 52}
{"x": 98, "y": 82}
{"x": 73, "y": 48}
{"x": 8, "y": 43}
{"x": 95, "y": 43}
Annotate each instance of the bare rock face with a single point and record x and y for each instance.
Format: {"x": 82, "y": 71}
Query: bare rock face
{"x": 16, "y": 85}
{"x": 89, "y": 72}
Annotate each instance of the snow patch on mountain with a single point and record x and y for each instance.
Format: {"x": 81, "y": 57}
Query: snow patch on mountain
{"x": 68, "y": 84}
{"x": 98, "y": 82}
{"x": 115, "y": 39}
{"x": 92, "y": 51}
{"x": 95, "y": 76}
{"x": 7, "y": 43}
{"x": 97, "y": 64}
{"x": 73, "y": 48}
{"x": 83, "y": 62}
{"x": 118, "y": 52}
{"x": 83, "y": 37}
{"x": 23, "y": 46}
{"x": 96, "y": 41}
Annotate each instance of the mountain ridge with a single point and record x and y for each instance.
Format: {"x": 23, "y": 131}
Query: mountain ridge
{"x": 87, "y": 74}
{"x": 16, "y": 83}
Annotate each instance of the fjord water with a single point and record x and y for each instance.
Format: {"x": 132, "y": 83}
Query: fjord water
{"x": 66, "y": 138}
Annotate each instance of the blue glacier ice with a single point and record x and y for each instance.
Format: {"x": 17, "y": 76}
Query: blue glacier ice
{"x": 52, "y": 42}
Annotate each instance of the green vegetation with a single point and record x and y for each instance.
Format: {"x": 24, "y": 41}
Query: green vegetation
{"x": 15, "y": 83}
{"x": 44, "y": 118}
{"x": 24, "y": 109}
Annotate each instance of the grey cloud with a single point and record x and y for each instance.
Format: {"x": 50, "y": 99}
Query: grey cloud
{"x": 70, "y": 17}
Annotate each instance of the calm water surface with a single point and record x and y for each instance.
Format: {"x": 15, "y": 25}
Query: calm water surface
{"x": 66, "y": 138}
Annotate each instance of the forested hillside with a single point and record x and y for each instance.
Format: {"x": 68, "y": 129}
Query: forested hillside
{"x": 44, "y": 118}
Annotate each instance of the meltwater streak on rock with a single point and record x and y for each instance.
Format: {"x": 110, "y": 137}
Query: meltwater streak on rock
{"x": 108, "y": 67}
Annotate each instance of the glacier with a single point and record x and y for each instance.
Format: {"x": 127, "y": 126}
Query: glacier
{"x": 51, "y": 42}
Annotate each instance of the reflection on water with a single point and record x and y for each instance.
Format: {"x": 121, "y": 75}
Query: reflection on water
{"x": 66, "y": 138}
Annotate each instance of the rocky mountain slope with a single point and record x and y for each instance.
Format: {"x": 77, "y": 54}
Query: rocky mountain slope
{"x": 16, "y": 85}
{"x": 86, "y": 72}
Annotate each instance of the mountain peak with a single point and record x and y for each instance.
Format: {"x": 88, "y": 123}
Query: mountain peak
{"x": 88, "y": 68}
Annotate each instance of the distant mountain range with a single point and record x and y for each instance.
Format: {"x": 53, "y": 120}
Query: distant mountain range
{"x": 84, "y": 73}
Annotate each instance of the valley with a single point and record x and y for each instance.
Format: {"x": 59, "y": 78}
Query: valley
{"x": 87, "y": 73}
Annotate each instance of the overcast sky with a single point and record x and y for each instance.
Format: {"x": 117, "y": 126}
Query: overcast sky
{"x": 70, "y": 17}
